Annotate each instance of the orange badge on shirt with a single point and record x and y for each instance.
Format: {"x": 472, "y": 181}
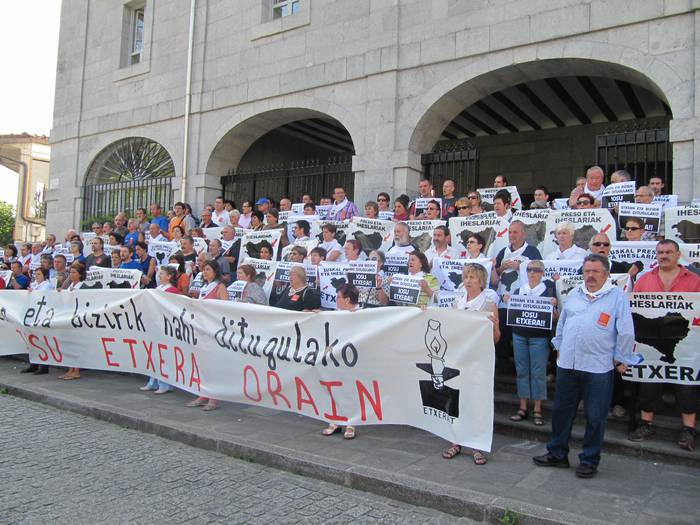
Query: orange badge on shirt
{"x": 604, "y": 319}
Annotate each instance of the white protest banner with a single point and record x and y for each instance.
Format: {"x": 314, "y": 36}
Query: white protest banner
{"x": 6, "y": 276}
{"x": 252, "y": 241}
{"x": 690, "y": 255}
{"x": 435, "y": 370}
{"x": 666, "y": 330}
{"x": 650, "y": 214}
{"x": 490, "y": 227}
{"x": 161, "y": 251}
{"x": 683, "y": 224}
{"x": 342, "y": 230}
{"x": 421, "y": 205}
{"x": 395, "y": 264}
{"x": 526, "y": 311}
{"x": 386, "y": 215}
{"x": 641, "y": 252}
{"x": 323, "y": 210}
{"x": 566, "y": 284}
{"x": 200, "y": 244}
{"x": 235, "y": 290}
{"x": 563, "y": 268}
{"x": 446, "y": 299}
{"x": 362, "y": 274}
{"x": 283, "y": 216}
{"x": 561, "y": 204}
{"x": 298, "y": 208}
{"x": 421, "y": 233}
{"x": 97, "y": 278}
{"x": 213, "y": 233}
{"x": 404, "y": 289}
{"x": 487, "y": 195}
{"x": 587, "y": 223}
{"x": 331, "y": 275}
{"x": 85, "y": 236}
{"x": 695, "y": 203}
{"x": 373, "y": 234}
{"x": 617, "y": 193}
{"x": 535, "y": 222}
{"x": 314, "y": 225}
{"x": 670, "y": 201}
{"x": 265, "y": 273}
{"x": 448, "y": 272}
{"x": 240, "y": 232}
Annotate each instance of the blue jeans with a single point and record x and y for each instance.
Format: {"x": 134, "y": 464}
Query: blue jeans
{"x": 531, "y": 355}
{"x": 596, "y": 392}
{"x": 157, "y": 384}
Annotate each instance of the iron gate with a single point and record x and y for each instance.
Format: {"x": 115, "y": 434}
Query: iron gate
{"x": 316, "y": 177}
{"x": 457, "y": 160}
{"x": 643, "y": 151}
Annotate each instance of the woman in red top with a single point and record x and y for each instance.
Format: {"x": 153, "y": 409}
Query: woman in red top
{"x": 183, "y": 280}
{"x": 212, "y": 288}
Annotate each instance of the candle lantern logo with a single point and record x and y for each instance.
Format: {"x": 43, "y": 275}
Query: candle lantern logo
{"x": 434, "y": 393}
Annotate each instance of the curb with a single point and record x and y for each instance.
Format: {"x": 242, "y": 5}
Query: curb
{"x": 458, "y": 502}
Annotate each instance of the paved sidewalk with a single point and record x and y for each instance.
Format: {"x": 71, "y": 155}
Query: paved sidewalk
{"x": 398, "y": 462}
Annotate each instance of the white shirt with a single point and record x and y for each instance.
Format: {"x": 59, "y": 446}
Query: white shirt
{"x": 43, "y": 285}
{"x": 331, "y": 246}
{"x": 447, "y": 253}
{"x": 573, "y": 253}
{"x": 222, "y": 219}
{"x": 160, "y": 238}
{"x": 401, "y": 250}
{"x": 596, "y": 193}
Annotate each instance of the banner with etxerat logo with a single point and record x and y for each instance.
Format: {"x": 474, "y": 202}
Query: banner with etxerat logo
{"x": 428, "y": 369}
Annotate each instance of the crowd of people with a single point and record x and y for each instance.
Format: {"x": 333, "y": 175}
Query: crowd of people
{"x": 592, "y": 342}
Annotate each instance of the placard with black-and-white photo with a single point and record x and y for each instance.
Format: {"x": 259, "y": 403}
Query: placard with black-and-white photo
{"x": 161, "y": 251}
{"x": 362, "y": 274}
{"x": 196, "y": 284}
{"x": 421, "y": 233}
{"x": 448, "y": 272}
{"x": 561, "y": 203}
{"x": 331, "y": 276}
{"x": 487, "y": 195}
{"x": 342, "y": 230}
{"x": 490, "y": 227}
{"x": 395, "y": 264}
{"x": 308, "y": 245}
{"x": 323, "y": 210}
{"x": 373, "y": 234}
{"x": 649, "y": 213}
{"x": 200, "y": 244}
{"x": 683, "y": 224}
{"x": 314, "y": 225}
{"x": 535, "y": 222}
{"x": 235, "y": 290}
{"x": 264, "y": 273}
{"x": 386, "y": 215}
{"x": 298, "y": 208}
{"x": 617, "y": 193}
{"x": 99, "y": 278}
{"x": 421, "y": 205}
{"x": 643, "y": 253}
{"x": 526, "y": 311}
{"x": 586, "y": 223}
{"x": 670, "y": 201}
{"x": 404, "y": 289}
{"x": 252, "y": 241}
{"x": 690, "y": 255}
{"x": 213, "y": 233}
{"x": 567, "y": 284}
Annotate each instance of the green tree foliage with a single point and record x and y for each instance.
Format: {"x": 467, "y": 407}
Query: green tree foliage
{"x": 7, "y": 223}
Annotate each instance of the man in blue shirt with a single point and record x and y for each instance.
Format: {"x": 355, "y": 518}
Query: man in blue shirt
{"x": 157, "y": 218}
{"x": 595, "y": 335}
{"x": 19, "y": 280}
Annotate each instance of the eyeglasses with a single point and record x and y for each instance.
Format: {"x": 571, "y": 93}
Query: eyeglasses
{"x": 583, "y": 203}
{"x": 472, "y": 241}
{"x": 382, "y": 200}
{"x": 600, "y": 244}
{"x": 632, "y": 228}
{"x": 462, "y": 207}
{"x": 433, "y": 208}
{"x": 535, "y": 270}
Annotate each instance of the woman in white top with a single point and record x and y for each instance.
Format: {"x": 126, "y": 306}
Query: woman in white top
{"x": 475, "y": 279}
{"x": 76, "y": 278}
{"x": 330, "y": 243}
{"x": 42, "y": 282}
{"x": 475, "y": 247}
{"x": 567, "y": 250}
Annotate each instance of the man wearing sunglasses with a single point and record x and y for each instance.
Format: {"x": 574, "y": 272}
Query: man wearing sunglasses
{"x": 600, "y": 245}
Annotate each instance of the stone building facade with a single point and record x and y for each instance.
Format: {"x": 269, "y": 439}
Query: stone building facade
{"x": 534, "y": 87}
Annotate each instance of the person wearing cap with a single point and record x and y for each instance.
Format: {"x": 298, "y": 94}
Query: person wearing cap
{"x": 263, "y": 205}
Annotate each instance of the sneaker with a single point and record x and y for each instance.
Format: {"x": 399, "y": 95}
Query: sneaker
{"x": 548, "y": 460}
{"x": 687, "y": 440}
{"x": 618, "y": 411}
{"x": 586, "y": 470}
{"x": 146, "y": 388}
{"x": 30, "y": 369}
{"x": 644, "y": 431}
{"x": 163, "y": 390}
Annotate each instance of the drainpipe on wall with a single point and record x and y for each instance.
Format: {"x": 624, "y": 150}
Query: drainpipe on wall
{"x": 188, "y": 96}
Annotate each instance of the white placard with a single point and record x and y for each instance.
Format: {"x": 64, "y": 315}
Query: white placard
{"x": 373, "y": 234}
{"x": 235, "y": 290}
{"x": 587, "y": 223}
{"x": 161, "y": 251}
{"x": 331, "y": 275}
{"x": 421, "y": 233}
{"x": 683, "y": 224}
{"x": 615, "y": 194}
{"x": 487, "y": 195}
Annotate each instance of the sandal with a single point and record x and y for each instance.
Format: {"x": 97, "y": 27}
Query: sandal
{"x": 451, "y": 452}
{"x": 479, "y": 458}
{"x": 519, "y": 415}
{"x": 197, "y": 402}
{"x": 537, "y": 419}
{"x": 331, "y": 429}
{"x": 210, "y": 406}
{"x": 349, "y": 433}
